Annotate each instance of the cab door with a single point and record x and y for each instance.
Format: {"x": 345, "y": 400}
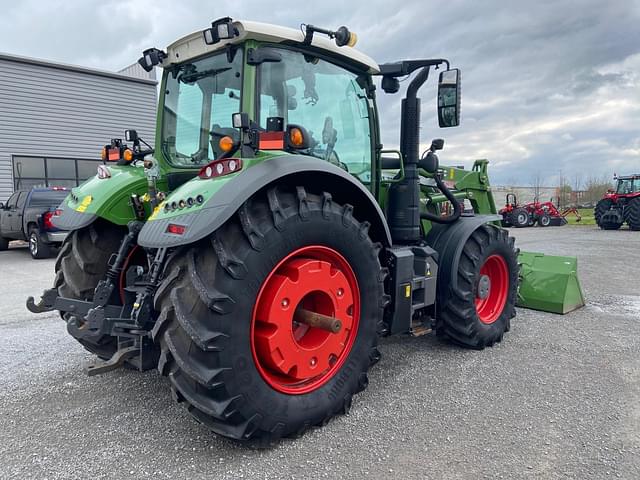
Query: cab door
{"x": 328, "y": 100}
{"x": 9, "y": 215}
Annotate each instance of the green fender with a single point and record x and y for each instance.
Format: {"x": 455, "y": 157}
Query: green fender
{"x": 107, "y": 198}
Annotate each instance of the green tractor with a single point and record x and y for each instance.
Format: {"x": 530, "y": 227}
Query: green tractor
{"x": 258, "y": 252}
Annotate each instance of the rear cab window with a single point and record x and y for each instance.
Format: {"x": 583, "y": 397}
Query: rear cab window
{"x": 47, "y": 198}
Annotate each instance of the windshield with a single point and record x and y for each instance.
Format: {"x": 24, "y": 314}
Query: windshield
{"x": 628, "y": 185}
{"x": 199, "y": 99}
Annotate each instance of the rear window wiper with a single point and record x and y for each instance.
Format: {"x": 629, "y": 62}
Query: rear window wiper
{"x": 191, "y": 77}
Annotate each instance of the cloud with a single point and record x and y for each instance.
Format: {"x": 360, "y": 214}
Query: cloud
{"x": 547, "y": 86}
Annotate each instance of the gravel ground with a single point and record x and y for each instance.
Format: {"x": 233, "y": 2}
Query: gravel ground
{"x": 559, "y": 398}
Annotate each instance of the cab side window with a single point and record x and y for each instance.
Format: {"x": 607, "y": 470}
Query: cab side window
{"x": 325, "y": 99}
{"x": 13, "y": 200}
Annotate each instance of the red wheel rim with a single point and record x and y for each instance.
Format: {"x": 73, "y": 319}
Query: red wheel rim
{"x": 292, "y": 357}
{"x": 491, "y": 301}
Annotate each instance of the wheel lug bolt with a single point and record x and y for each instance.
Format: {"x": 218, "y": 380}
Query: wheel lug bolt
{"x": 313, "y": 362}
{"x": 340, "y": 292}
{"x": 285, "y": 302}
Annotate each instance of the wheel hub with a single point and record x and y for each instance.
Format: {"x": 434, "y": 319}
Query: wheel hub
{"x": 292, "y": 356}
{"x": 484, "y": 286}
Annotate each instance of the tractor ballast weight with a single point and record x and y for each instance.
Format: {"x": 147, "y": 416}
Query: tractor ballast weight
{"x": 549, "y": 283}
{"x": 261, "y": 261}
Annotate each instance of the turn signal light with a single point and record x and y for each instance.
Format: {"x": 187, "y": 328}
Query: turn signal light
{"x": 296, "y": 137}
{"x": 219, "y": 168}
{"x": 127, "y": 155}
{"x": 103, "y": 154}
{"x": 226, "y": 144}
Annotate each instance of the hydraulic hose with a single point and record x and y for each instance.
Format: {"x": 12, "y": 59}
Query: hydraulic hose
{"x": 457, "y": 207}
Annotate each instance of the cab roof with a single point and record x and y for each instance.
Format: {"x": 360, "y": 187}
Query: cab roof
{"x": 193, "y": 45}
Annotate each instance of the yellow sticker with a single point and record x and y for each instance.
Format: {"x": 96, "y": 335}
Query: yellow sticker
{"x": 85, "y": 203}
{"x": 156, "y": 211}
{"x": 451, "y": 173}
{"x": 407, "y": 291}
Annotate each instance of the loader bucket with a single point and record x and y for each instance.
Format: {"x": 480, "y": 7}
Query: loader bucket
{"x": 549, "y": 283}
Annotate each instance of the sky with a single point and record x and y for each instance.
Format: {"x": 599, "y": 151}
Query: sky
{"x": 549, "y": 88}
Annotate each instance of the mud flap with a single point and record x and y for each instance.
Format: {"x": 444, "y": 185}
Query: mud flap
{"x": 549, "y": 283}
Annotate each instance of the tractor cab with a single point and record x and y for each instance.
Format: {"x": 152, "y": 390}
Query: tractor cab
{"x": 628, "y": 185}
{"x": 277, "y": 77}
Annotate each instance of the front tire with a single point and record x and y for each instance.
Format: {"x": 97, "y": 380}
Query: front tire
{"x": 477, "y": 311}
{"x": 544, "y": 220}
{"x": 602, "y": 207}
{"x": 249, "y": 372}
{"x": 80, "y": 265}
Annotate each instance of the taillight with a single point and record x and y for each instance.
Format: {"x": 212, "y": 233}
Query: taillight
{"x": 176, "y": 229}
{"x": 46, "y": 220}
{"x": 219, "y": 168}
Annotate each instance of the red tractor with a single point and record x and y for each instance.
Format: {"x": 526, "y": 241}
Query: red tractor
{"x": 621, "y": 205}
{"x": 545, "y": 214}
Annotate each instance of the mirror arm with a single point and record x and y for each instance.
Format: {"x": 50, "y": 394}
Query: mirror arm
{"x": 405, "y": 67}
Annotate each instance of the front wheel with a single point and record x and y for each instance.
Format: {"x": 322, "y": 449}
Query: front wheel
{"x": 37, "y": 248}
{"x": 234, "y": 344}
{"x": 478, "y": 307}
{"x": 544, "y": 220}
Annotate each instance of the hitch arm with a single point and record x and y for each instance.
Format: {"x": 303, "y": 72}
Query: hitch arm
{"x": 46, "y": 302}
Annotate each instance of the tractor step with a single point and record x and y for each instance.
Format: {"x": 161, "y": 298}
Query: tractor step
{"x": 419, "y": 329}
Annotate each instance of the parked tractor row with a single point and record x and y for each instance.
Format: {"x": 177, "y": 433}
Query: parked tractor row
{"x": 544, "y": 214}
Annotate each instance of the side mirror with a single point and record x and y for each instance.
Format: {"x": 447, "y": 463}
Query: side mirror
{"x": 437, "y": 144}
{"x": 449, "y": 98}
{"x": 130, "y": 135}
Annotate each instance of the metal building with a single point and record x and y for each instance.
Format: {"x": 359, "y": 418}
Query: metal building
{"x": 55, "y": 118}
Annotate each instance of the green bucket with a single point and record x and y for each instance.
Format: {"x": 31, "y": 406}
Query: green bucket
{"x": 549, "y": 283}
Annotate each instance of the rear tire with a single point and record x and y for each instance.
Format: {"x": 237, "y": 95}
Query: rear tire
{"x": 478, "y": 312}
{"x": 519, "y": 217}
{"x": 4, "y": 244}
{"x": 633, "y": 213}
{"x": 37, "y": 248}
{"x": 80, "y": 265}
{"x": 210, "y": 333}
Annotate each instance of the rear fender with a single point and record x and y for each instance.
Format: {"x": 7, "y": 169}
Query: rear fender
{"x": 288, "y": 170}
{"x": 107, "y": 198}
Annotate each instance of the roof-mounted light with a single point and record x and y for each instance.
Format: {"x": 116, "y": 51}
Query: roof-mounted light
{"x": 221, "y": 29}
{"x": 150, "y": 58}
